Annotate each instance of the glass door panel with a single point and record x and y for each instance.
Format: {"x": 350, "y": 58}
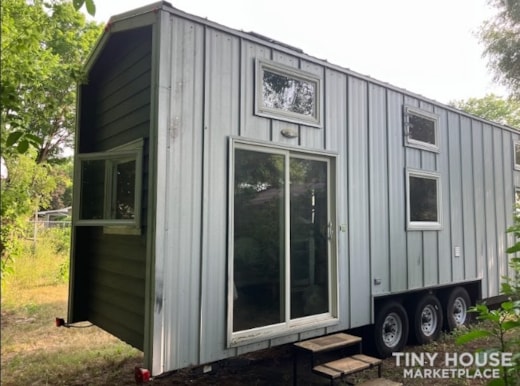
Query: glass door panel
{"x": 309, "y": 259}
{"x": 259, "y": 239}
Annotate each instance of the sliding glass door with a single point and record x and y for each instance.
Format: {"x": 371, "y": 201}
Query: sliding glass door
{"x": 282, "y": 238}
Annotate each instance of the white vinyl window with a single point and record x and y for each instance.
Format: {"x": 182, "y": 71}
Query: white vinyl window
{"x": 516, "y": 152}
{"x": 288, "y": 94}
{"x": 282, "y": 266}
{"x": 423, "y": 200}
{"x": 421, "y": 129}
{"x": 110, "y": 187}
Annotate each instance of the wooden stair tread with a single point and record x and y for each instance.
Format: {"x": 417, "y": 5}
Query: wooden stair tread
{"x": 343, "y": 366}
{"x": 327, "y": 371}
{"x": 368, "y": 359}
{"x": 379, "y": 382}
{"x": 328, "y": 342}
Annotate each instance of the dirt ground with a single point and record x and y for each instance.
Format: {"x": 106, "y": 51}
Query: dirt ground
{"x": 274, "y": 367}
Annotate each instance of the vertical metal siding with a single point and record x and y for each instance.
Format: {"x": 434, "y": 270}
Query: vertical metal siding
{"x": 397, "y": 195}
{"x": 431, "y": 261}
{"x": 509, "y": 191}
{"x": 469, "y": 255}
{"x": 359, "y": 252}
{"x": 455, "y": 195}
{"x": 179, "y": 184}
{"x": 430, "y": 239}
{"x": 377, "y": 148}
{"x": 445, "y": 248}
{"x": 251, "y": 126}
{"x": 491, "y": 223}
{"x": 479, "y": 210}
{"x": 336, "y": 140}
{"x": 221, "y": 119}
{"x": 500, "y": 210}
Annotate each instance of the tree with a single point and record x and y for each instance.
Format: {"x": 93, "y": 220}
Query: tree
{"x": 43, "y": 48}
{"x": 501, "y": 37}
{"x": 493, "y": 108}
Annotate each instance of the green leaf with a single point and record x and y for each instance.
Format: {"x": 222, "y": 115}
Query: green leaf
{"x": 23, "y": 146}
{"x": 472, "y": 335}
{"x": 497, "y": 382}
{"x": 513, "y": 249}
{"x": 91, "y": 7}
{"x": 13, "y": 138}
{"x": 34, "y": 139}
{"x": 78, "y": 4}
{"x": 510, "y": 324}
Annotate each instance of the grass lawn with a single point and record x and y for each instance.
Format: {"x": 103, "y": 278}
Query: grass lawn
{"x": 35, "y": 351}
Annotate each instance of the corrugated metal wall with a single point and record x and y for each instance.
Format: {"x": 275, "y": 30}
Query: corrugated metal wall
{"x": 206, "y": 95}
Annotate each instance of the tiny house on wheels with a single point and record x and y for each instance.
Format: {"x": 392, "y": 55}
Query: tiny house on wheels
{"x": 233, "y": 193}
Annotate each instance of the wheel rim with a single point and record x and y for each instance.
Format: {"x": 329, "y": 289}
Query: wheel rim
{"x": 459, "y": 311}
{"x": 429, "y": 320}
{"x": 392, "y": 330}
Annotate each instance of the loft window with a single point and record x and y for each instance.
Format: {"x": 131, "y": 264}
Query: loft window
{"x": 282, "y": 267}
{"x": 110, "y": 187}
{"x": 288, "y": 94}
{"x": 516, "y": 148}
{"x": 421, "y": 129}
{"x": 423, "y": 200}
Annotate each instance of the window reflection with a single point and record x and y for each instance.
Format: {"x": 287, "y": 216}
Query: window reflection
{"x": 309, "y": 255}
{"x": 124, "y": 190}
{"x": 422, "y": 129}
{"x": 289, "y": 94}
{"x": 92, "y": 189}
{"x": 259, "y": 231}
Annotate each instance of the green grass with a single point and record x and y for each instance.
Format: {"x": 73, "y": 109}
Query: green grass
{"x": 34, "y": 351}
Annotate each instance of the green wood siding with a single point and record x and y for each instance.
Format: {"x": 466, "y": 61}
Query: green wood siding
{"x": 109, "y": 270}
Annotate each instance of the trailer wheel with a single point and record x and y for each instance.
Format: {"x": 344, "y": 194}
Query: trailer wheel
{"x": 391, "y": 329}
{"x": 456, "y": 308}
{"x": 427, "y": 319}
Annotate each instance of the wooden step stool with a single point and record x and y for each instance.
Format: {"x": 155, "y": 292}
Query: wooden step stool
{"x": 345, "y": 366}
{"x": 328, "y": 343}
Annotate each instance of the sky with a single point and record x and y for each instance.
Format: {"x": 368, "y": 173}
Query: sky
{"x": 427, "y": 47}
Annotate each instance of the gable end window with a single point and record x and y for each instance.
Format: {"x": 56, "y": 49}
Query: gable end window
{"x": 421, "y": 129}
{"x": 287, "y": 94}
{"x": 423, "y": 200}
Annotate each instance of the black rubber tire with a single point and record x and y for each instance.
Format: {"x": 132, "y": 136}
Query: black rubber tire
{"x": 456, "y": 307}
{"x": 390, "y": 328}
{"x": 427, "y": 320}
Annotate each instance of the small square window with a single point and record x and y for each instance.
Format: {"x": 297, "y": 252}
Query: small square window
{"x": 516, "y": 148}
{"x": 421, "y": 129}
{"x": 110, "y": 187}
{"x": 423, "y": 200}
{"x": 288, "y": 94}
